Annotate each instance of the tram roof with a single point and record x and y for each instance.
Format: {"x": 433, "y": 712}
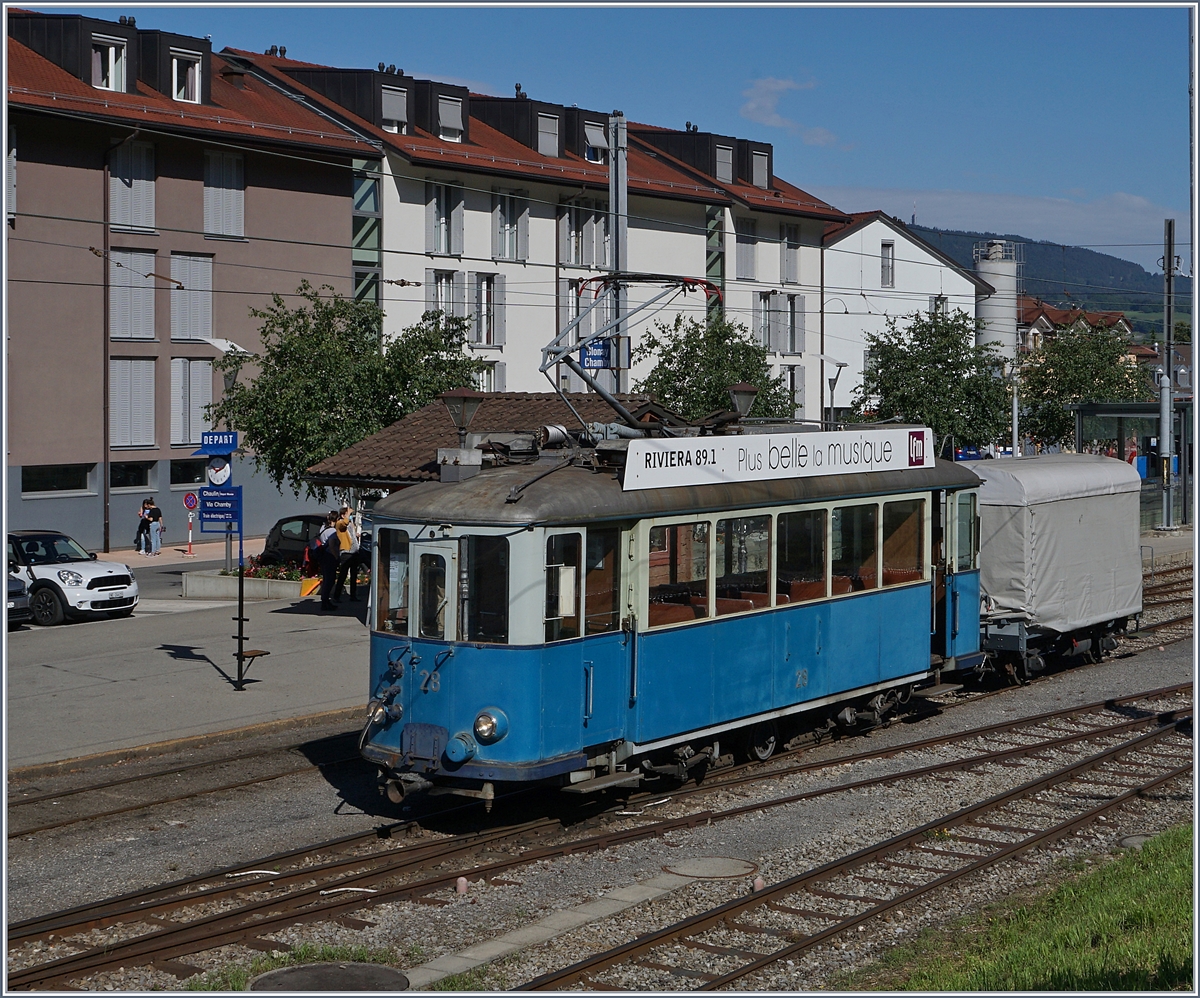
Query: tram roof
{"x": 574, "y": 494}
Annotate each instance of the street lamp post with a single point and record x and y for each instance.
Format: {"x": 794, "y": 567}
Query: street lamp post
{"x": 462, "y": 403}
{"x": 821, "y": 355}
{"x": 832, "y": 386}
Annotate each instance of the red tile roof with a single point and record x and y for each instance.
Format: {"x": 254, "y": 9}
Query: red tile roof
{"x": 406, "y": 451}
{"x": 1029, "y": 310}
{"x": 256, "y": 112}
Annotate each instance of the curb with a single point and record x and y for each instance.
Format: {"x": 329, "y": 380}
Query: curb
{"x": 42, "y": 769}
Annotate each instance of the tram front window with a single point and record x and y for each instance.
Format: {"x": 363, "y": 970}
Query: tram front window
{"x": 603, "y": 589}
{"x": 743, "y": 563}
{"x": 801, "y": 556}
{"x": 562, "y": 586}
{"x": 968, "y": 540}
{"x": 487, "y": 589}
{"x": 903, "y": 541}
{"x": 853, "y": 549}
{"x": 391, "y": 596}
{"x": 678, "y": 573}
{"x": 433, "y": 596}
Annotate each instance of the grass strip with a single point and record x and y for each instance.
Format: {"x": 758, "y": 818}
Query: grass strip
{"x": 236, "y": 976}
{"x": 1126, "y": 926}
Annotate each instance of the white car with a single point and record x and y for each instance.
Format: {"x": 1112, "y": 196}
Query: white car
{"x": 65, "y": 581}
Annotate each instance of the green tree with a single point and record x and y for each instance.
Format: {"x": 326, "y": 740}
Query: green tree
{"x": 326, "y": 379}
{"x": 931, "y": 372}
{"x": 695, "y": 364}
{"x": 1090, "y": 365}
{"x": 1183, "y": 331}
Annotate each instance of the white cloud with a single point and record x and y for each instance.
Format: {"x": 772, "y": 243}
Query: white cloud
{"x": 819, "y": 137}
{"x": 1107, "y": 224}
{"x": 762, "y": 101}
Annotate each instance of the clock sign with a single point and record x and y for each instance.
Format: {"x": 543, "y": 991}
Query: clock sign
{"x": 218, "y": 470}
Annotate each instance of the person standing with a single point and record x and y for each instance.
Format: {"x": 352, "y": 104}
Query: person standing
{"x": 327, "y": 553}
{"x": 350, "y": 556}
{"x": 141, "y": 540}
{"x": 157, "y": 525}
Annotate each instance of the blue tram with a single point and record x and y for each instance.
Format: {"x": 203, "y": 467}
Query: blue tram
{"x": 539, "y": 622}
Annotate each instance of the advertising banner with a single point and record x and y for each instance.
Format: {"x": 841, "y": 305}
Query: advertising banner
{"x": 758, "y": 457}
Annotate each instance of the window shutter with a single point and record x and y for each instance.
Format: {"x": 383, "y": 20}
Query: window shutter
{"x": 120, "y": 186}
{"x": 455, "y": 196}
{"x": 143, "y": 311}
{"x": 234, "y": 195}
{"x": 395, "y": 105}
{"x": 179, "y": 401}
{"x": 783, "y": 255}
{"x": 118, "y": 403}
{"x": 589, "y": 239}
{"x": 430, "y": 291}
{"x": 498, "y": 377}
{"x": 120, "y": 295}
{"x": 142, "y": 188}
{"x": 475, "y": 306}
{"x": 458, "y": 304}
{"x": 11, "y": 174}
{"x": 778, "y": 331}
{"x": 564, "y": 234}
{"x": 430, "y": 217}
{"x": 199, "y": 397}
{"x": 450, "y": 113}
{"x": 181, "y": 325}
{"x": 498, "y": 308}
{"x": 143, "y": 395}
{"x": 202, "y": 267}
{"x": 212, "y": 192}
{"x": 522, "y": 229}
{"x": 497, "y": 245}
{"x": 800, "y": 345}
{"x": 595, "y": 135}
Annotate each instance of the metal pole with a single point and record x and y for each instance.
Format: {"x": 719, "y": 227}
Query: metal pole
{"x": 229, "y": 547}
{"x": 618, "y": 227}
{"x": 1016, "y": 417}
{"x": 1169, "y": 296}
{"x": 1165, "y": 432}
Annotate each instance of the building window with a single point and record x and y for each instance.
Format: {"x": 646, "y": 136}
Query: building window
{"x": 191, "y": 394}
{"x": 488, "y": 309}
{"x": 365, "y": 245}
{"x": 366, "y": 286}
{"x": 441, "y": 293}
{"x": 131, "y": 294}
{"x": 595, "y": 149}
{"x": 188, "y": 472}
{"x": 108, "y": 63}
{"x": 56, "y": 478}
{"x": 131, "y": 186}
{"x": 191, "y": 305}
{"x": 131, "y": 475}
{"x": 887, "y": 265}
{"x": 131, "y": 403}
{"x": 763, "y": 319}
{"x": 760, "y": 174}
{"x": 366, "y": 225}
{"x": 491, "y": 378}
{"x": 939, "y": 305}
{"x": 795, "y": 380}
{"x": 548, "y": 134}
{"x": 395, "y": 110}
{"x": 510, "y": 228}
{"x": 714, "y": 253}
{"x": 725, "y": 164}
{"x": 443, "y": 219}
{"x": 365, "y": 187}
{"x": 795, "y": 324}
{"x": 747, "y": 246}
{"x": 185, "y": 76}
{"x": 450, "y": 120}
{"x": 224, "y": 194}
{"x": 791, "y": 254}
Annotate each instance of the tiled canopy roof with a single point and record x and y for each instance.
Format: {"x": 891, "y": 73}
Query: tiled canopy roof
{"x": 406, "y": 451}
{"x": 1032, "y": 309}
{"x": 256, "y": 112}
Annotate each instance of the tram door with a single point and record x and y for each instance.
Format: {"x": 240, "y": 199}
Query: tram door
{"x": 435, "y": 566}
{"x": 957, "y": 597}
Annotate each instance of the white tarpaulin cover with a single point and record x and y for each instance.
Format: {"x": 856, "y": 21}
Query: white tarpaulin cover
{"x": 1059, "y": 539}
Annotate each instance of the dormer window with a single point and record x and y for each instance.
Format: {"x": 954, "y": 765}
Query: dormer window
{"x": 725, "y": 164}
{"x": 395, "y": 110}
{"x": 108, "y": 63}
{"x": 595, "y": 149}
{"x": 185, "y": 76}
{"x": 450, "y": 122}
{"x": 759, "y": 174}
{"x": 548, "y": 134}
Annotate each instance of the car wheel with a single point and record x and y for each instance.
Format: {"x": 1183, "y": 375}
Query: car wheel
{"x": 47, "y": 608}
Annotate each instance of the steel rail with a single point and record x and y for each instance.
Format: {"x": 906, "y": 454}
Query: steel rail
{"x": 265, "y": 916}
{"x": 701, "y": 922}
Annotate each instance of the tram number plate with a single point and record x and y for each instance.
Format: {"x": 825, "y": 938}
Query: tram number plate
{"x": 431, "y": 682}
{"x": 801, "y": 678}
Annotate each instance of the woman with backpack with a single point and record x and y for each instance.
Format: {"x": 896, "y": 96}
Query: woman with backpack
{"x": 327, "y": 559}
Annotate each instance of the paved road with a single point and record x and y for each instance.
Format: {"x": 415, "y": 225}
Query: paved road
{"x": 95, "y": 686}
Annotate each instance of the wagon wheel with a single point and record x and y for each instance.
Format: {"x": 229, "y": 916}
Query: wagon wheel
{"x": 762, "y": 741}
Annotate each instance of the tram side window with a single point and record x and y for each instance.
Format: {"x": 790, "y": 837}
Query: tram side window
{"x": 487, "y": 589}
{"x": 391, "y": 603}
{"x": 743, "y": 564}
{"x": 433, "y": 596}
{"x": 801, "y": 556}
{"x": 678, "y": 573}
{"x": 853, "y": 549}
{"x": 603, "y": 583}
{"x": 562, "y": 586}
{"x": 903, "y": 541}
{"x": 968, "y": 539}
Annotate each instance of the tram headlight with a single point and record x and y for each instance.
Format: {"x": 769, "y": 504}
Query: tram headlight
{"x": 491, "y": 725}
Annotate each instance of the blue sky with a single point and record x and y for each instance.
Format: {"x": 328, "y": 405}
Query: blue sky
{"x": 1066, "y": 124}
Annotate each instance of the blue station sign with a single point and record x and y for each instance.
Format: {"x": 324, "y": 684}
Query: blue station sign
{"x": 218, "y": 442}
{"x": 219, "y": 507}
{"x": 596, "y": 356}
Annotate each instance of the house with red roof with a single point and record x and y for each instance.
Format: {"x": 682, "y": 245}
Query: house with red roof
{"x": 1037, "y": 321}
{"x": 156, "y": 193}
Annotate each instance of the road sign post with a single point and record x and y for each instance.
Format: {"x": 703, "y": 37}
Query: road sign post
{"x": 190, "y": 502}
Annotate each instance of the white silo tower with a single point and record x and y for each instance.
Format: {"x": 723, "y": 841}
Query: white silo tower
{"x": 998, "y": 262}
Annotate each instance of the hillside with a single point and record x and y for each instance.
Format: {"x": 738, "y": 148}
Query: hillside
{"x": 1069, "y": 275}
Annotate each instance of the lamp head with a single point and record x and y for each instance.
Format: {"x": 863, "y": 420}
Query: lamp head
{"x": 462, "y": 404}
{"x": 742, "y": 396}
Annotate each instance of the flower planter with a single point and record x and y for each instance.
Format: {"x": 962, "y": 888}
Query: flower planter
{"x": 214, "y": 585}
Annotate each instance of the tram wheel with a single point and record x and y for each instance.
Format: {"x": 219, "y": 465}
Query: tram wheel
{"x": 762, "y": 741}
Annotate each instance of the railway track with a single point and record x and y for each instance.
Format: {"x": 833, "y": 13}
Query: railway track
{"x": 329, "y": 882}
{"x": 736, "y": 941}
